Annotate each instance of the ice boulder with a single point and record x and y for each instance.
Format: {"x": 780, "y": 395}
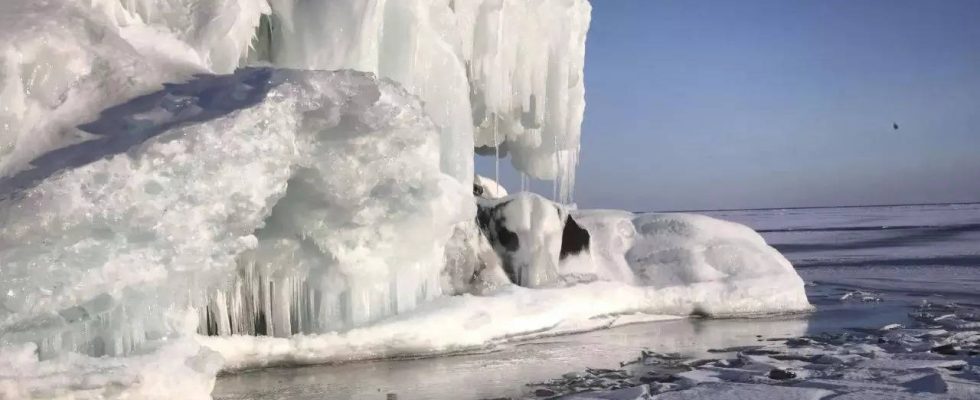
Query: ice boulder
{"x": 681, "y": 249}
{"x": 280, "y": 199}
{"x": 472, "y": 265}
{"x": 708, "y": 266}
{"x": 722, "y": 267}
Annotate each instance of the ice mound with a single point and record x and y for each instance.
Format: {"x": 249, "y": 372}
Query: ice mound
{"x": 276, "y": 175}
{"x": 636, "y": 268}
{"x": 725, "y": 267}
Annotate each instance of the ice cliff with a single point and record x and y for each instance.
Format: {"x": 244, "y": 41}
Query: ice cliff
{"x": 187, "y": 186}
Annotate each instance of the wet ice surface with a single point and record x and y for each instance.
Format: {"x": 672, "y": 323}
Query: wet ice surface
{"x": 502, "y": 372}
{"x": 505, "y": 372}
{"x": 937, "y": 357}
{"x": 866, "y": 268}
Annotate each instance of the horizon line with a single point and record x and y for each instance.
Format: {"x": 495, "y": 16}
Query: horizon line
{"x": 820, "y": 207}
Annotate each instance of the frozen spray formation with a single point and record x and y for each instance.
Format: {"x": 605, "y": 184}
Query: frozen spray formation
{"x": 504, "y": 76}
{"x": 186, "y": 179}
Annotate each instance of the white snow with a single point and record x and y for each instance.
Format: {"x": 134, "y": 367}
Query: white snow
{"x": 687, "y": 250}
{"x": 178, "y": 370}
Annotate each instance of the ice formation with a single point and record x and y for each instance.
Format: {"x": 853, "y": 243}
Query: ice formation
{"x": 329, "y": 213}
{"x": 470, "y": 61}
{"x": 481, "y": 79}
{"x": 305, "y": 193}
{"x": 589, "y": 292}
{"x": 61, "y": 62}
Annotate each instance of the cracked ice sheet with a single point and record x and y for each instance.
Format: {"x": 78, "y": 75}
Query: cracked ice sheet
{"x": 737, "y": 391}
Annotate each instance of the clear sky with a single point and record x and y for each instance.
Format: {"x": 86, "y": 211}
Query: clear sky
{"x": 777, "y": 103}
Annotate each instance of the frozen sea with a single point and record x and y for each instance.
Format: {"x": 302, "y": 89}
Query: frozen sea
{"x": 865, "y": 267}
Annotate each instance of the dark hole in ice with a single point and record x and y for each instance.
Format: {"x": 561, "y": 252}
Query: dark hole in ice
{"x": 574, "y": 238}
{"x": 507, "y": 238}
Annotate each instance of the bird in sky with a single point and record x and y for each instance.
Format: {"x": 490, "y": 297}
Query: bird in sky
{"x": 895, "y": 126}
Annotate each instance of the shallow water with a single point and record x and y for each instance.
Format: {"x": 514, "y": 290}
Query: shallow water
{"x": 902, "y": 255}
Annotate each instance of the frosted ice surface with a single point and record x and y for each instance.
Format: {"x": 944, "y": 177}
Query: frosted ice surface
{"x": 181, "y": 369}
{"x": 307, "y": 194}
{"x": 742, "y": 391}
{"x": 670, "y": 251}
{"x": 61, "y": 62}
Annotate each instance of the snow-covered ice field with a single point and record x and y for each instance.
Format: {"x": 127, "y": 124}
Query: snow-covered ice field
{"x": 872, "y": 293}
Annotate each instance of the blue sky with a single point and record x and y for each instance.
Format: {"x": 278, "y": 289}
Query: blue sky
{"x": 776, "y": 103}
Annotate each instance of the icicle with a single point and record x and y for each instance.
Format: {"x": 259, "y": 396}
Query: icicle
{"x": 496, "y": 158}
{"x": 558, "y": 170}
